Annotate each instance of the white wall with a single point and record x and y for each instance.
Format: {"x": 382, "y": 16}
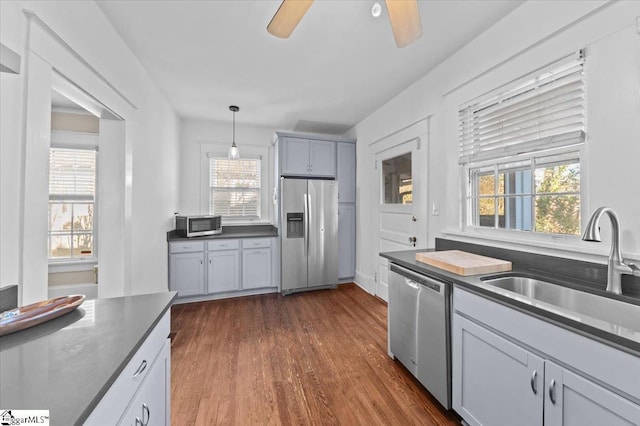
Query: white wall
{"x": 87, "y": 41}
{"x": 535, "y": 34}
{"x": 198, "y": 137}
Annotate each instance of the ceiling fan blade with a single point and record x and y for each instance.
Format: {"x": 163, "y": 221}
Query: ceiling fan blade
{"x": 405, "y": 21}
{"x": 287, "y": 17}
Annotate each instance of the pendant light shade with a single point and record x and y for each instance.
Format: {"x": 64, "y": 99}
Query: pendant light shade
{"x": 234, "y": 152}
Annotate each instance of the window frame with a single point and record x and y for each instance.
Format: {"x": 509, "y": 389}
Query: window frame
{"x": 467, "y": 208}
{"x": 88, "y": 142}
{"x": 208, "y": 150}
{"x": 240, "y": 218}
{"x": 511, "y": 152}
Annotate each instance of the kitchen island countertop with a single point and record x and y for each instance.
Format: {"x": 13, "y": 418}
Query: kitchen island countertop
{"x": 66, "y": 365}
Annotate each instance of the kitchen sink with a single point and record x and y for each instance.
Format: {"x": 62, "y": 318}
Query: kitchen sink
{"x": 613, "y": 311}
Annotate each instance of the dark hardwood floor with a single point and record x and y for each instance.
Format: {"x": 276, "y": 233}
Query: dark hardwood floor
{"x": 310, "y": 358}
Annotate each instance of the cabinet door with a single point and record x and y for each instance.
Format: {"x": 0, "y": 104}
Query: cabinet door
{"x": 223, "y": 270}
{"x": 571, "y": 400}
{"x": 295, "y": 156}
{"x": 187, "y": 273}
{"x": 150, "y": 405}
{"x": 495, "y": 382}
{"x": 346, "y": 172}
{"x": 346, "y": 241}
{"x": 322, "y": 158}
{"x": 256, "y": 268}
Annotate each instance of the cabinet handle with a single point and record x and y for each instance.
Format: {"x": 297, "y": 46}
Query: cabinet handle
{"x": 534, "y": 382}
{"x": 143, "y": 366}
{"x": 552, "y": 391}
{"x": 145, "y": 407}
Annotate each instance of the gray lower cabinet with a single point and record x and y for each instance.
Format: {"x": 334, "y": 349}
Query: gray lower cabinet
{"x": 187, "y": 273}
{"x": 256, "y": 268}
{"x": 223, "y": 271}
{"x": 499, "y": 381}
{"x": 141, "y": 394}
{"x": 572, "y": 400}
{"x": 502, "y": 384}
{"x": 220, "y": 266}
{"x": 150, "y": 406}
{"x": 346, "y": 241}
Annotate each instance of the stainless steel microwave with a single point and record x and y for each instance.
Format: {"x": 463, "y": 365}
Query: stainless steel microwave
{"x": 198, "y": 226}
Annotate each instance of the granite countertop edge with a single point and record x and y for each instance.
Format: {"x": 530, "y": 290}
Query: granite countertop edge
{"x": 229, "y": 232}
{"x": 469, "y": 283}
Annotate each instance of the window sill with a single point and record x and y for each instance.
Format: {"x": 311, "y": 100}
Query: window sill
{"x": 60, "y": 266}
{"x": 567, "y": 246}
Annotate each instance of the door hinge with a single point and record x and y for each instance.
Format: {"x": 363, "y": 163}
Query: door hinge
{"x": 375, "y": 277}
{"x": 375, "y": 164}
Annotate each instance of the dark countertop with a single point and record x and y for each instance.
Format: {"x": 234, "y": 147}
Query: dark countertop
{"x": 233, "y": 231}
{"x": 66, "y": 365}
{"x": 586, "y": 326}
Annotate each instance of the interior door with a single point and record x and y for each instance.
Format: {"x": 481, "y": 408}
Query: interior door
{"x": 402, "y": 224}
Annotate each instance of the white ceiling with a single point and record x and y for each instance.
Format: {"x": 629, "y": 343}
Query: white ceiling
{"x": 338, "y": 66}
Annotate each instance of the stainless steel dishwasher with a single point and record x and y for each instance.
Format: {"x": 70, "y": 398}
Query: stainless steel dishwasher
{"x": 420, "y": 330}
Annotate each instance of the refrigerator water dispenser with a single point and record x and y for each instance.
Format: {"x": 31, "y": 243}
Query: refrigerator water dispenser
{"x": 295, "y": 225}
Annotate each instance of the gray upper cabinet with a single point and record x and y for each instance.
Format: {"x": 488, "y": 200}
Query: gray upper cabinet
{"x": 346, "y": 172}
{"x": 295, "y": 156}
{"x": 308, "y": 157}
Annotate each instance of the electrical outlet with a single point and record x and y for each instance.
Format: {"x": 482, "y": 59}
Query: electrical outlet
{"x": 435, "y": 209}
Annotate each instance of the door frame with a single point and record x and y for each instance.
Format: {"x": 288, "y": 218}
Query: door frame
{"x": 413, "y": 139}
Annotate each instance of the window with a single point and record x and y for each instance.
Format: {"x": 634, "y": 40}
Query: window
{"x": 234, "y": 187}
{"x": 72, "y": 182}
{"x": 398, "y": 183}
{"x": 520, "y": 151}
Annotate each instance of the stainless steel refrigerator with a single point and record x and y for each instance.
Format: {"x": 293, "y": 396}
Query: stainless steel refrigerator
{"x": 309, "y": 229}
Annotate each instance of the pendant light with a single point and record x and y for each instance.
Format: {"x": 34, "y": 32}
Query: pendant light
{"x": 233, "y": 149}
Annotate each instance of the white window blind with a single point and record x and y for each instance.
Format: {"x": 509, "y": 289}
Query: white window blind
{"x": 234, "y": 187}
{"x": 72, "y": 184}
{"x": 542, "y": 111}
{"x": 72, "y": 174}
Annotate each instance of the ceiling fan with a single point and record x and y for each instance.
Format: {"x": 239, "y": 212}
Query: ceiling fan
{"x": 403, "y": 14}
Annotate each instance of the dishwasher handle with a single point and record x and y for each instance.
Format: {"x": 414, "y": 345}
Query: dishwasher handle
{"x": 428, "y": 283}
{"x": 411, "y": 283}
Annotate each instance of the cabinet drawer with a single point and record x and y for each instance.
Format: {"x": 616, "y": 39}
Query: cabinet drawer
{"x": 223, "y": 245}
{"x": 123, "y": 389}
{"x": 186, "y": 246}
{"x": 256, "y": 242}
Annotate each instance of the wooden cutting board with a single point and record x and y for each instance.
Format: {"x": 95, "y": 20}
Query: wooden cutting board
{"x": 463, "y": 263}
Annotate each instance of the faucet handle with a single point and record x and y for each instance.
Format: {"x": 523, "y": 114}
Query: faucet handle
{"x": 635, "y": 270}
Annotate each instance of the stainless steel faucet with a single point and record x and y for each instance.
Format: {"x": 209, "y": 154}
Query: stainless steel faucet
{"x": 616, "y": 265}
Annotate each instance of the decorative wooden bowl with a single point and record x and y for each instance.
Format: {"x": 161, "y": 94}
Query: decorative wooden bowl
{"x": 36, "y": 313}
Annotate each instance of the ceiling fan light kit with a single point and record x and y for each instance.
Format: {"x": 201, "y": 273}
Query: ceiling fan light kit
{"x": 403, "y": 14}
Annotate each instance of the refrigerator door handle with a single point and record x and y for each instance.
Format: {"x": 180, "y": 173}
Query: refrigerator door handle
{"x": 306, "y": 225}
